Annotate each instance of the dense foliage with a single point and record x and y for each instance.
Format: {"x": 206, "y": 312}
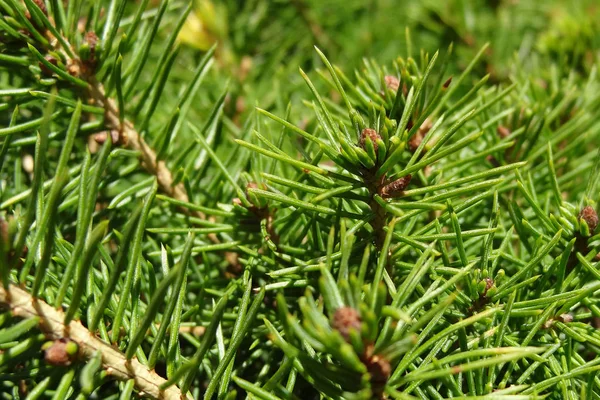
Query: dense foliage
{"x": 412, "y": 215}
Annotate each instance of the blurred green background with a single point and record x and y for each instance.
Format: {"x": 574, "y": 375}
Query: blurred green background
{"x": 261, "y": 43}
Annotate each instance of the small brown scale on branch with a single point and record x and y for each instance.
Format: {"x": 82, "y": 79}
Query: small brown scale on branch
{"x": 45, "y": 70}
{"x": 346, "y": 319}
{"x": 101, "y": 137}
{"x": 564, "y": 318}
{"x": 503, "y": 132}
{"x": 42, "y": 6}
{"x": 415, "y": 140}
{"x": 395, "y": 188}
{"x": 446, "y": 84}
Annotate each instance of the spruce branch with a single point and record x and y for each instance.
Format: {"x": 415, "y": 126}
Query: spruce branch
{"x": 123, "y": 130}
{"x": 150, "y": 159}
{"x": 81, "y": 73}
{"x": 404, "y": 235}
{"x": 135, "y": 141}
{"x": 23, "y": 305}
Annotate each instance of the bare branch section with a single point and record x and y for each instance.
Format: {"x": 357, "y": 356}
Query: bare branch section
{"x": 114, "y": 362}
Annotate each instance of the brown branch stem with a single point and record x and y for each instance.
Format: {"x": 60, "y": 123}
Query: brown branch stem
{"x": 133, "y": 140}
{"x": 23, "y": 305}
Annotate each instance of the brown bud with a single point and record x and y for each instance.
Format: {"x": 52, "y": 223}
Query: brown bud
{"x": 492, "y": 160}
{"x": 91, "y": 39}
{"x": 45, "y": 70}
{"x": 379, "y": 368}
{"x": 371, "y": 134}
{"x": 415, "y": 140}
{"x": 42, "y": 5}
{"x": 344, "y": 319}
{"x": 447, "y": 83}
{"x": 565, "y": 318}
{"x": 503, "y": 131}
{"x": 23, "y": 32}
{"x": 589, "y": 215}
{"x": 426, "y": 126}
{"x": 395, "y": 188}
{"x": 101, "y": 137}
{"x": 87, "y": 52}
{"x": 392, "y": 83}
{"x": 488, "y": 285}
{"x": 194, "y": 330}
{"x": 61, "y": 352}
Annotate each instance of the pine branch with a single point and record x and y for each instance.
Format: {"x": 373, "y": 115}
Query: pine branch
{"x": 23, "y": 305}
